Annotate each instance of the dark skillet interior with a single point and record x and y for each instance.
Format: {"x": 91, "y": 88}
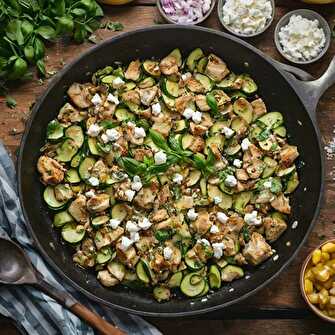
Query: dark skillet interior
{"x": 157, "y": 42}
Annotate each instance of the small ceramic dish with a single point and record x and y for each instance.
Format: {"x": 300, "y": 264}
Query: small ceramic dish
{"x": 308, "y": 14}
{"x": 314, "y": 308}
{"x": 168, "y": 19}
{"x": 268, "y": 23}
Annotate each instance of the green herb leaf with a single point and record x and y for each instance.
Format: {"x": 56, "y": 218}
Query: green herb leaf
{"x": 41, "y": 67}
{"x": 46, "y": 32}
{"x": 113, "y": 26}
{"x": 163, "y": 235}
{"x": 158, "y": 140}
{"x": 211, "y": 101}
{"x": 10, "y": 102}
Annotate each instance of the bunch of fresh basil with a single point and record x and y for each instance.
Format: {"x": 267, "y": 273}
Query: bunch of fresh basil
{"x": 25, "y": 26}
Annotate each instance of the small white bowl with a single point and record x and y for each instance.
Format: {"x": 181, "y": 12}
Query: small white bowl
{"x": 268, "y": 24}
{"x": 310, "y": 15}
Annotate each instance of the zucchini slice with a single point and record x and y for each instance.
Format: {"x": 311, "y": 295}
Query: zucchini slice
{"x": 205, "y": 81}
{"x": 175, "y": 280}
{"x": 218, "y": 140}
{"x": 147, "y": 82}
{"x": 151, "y": 68}
{"x": 201, "y": 65}
{"x": 61, "y": 218}
{"x": 76, "y": 159}
{"x": 280, "y": 131}
{"x": 170, "y": 88}
{"x": 99, "y": 221}
{"x": 143, "y": 271}
{"x": 226, "y": 199}
{"x": 281, "y": 172}
{"x": 177, "y": 55}
{"x": 214, "y": 277}
{"x": 76, "y": 134}
{"x": 193, "y": 57}
{"x": 205, "y": 290}
{"x": 189, "y": 289}
{"x": 92, "y": 145}
{"x": 55, "y": 130}
{"x": 123, "y": 114}
{"x": 104, "y": 255}
{"x": 242, "y": 107}
{"x": 227, "y": 84}
{"x": 169, "y": 102}
{"x": 203, "y": 186}
{"x": 270, "y": 167}
{"x": 179, "y": 126}
{"x": 72, "y": 233}
{"x": 271, "y": 120}
{"x": 231, "y": 272}
{"x": 241, "y": 200}
{"x": 66, "y": 151}
{"x": 187, "y": 141}
{"x": 50, "y": 199}
{"x": 192, "y": 263}
{"x": 193, "y": 178}
{"x": 85, "y": 168}
{"x": 72, "y": 176}
{"x": 118, "y": 270}
{"x": 249, "y": 86}
{"x": 119, "y": 212}
{"x": 161, "y": 293}
{"x": 292, "y": 183}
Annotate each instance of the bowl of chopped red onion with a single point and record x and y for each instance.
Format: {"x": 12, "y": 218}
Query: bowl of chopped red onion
{"x": 186, "y": 12}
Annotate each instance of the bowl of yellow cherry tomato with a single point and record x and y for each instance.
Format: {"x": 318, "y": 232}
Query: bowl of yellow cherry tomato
{"x": 317, "y": 281}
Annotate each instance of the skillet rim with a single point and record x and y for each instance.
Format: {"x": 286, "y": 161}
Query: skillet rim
{"x": 57, "y": 78}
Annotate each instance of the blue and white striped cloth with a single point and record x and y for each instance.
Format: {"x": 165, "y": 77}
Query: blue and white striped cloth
{"x": 32, "y": 310}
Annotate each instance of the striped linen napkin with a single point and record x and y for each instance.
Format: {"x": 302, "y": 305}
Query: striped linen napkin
{"x": 33, "y": 311}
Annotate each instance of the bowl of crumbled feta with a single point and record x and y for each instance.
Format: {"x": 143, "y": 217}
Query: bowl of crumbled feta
{"x": 302, "y": 36}
{"x": 246, "y": 18}
{"x": 188, "y": 12}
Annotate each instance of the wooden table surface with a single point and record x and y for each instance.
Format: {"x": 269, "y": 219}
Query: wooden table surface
{"x": 280, "y": 303}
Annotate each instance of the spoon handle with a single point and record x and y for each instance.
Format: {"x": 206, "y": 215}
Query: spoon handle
{"x": 78, "y": 309}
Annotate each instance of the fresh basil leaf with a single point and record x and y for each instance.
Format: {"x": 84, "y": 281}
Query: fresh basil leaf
{"x": 10, "y": 102}
{"x": 27, "y": 28}
{"x": 107, "y": 124}
{"x": 264, "y": 135}
{"x": 211, "y": 102}
{"x": 163, "y": 235}
{"x": 158, "y": 140}
{"x": 41, "y": 67}
{"x": 98, "y": 10}
{"x": 39, "y": 49}
{"x": 113, "y": 26}
{"x": 174, "y": 143}
{"x": 132, "y": 166}
{"x": 78, "y": 12}
{"x": 65, "y": 24}
{"x": 46, "y": 32}
{"x": 80, "y": 34}
{"x": 29, "y": 52}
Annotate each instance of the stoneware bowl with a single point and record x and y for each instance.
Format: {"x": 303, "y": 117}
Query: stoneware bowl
{"x": 308, "y": 14}
{"x": 168, "y": 19}
{"x": 314, "y": 308}
{"x": 268, "y": 24}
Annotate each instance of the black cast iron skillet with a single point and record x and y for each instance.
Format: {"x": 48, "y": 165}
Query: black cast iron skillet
{"x": 281, "y": 91}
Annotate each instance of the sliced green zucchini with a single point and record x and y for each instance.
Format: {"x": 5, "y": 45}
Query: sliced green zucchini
{"x": 204, "y": 81}
{"x": 175, "y": 280}
{"x": 76, "y": 134}
{"x": 203, "y": 186}
{"x": 231, "y": 272}
{"x": 249, "y": 86}
{"x": 99, "y": 221}
{"x": 92, "y": 145}
{"x": 270, "y": 167}
{"x": 255, "y": 132}
{"x": 66, "y": 151}
{"x": 61, "y": 218}
{"x": 147, "y": 82}
{"x": 280, "y": 131}
{"x": 85, "y": 167}
{"x": 271, "y": 120}
{"x": 76, "y": 159}
{"x": 104, "y": 255}
{"x": 218, "y": 139}
{"x": 55, "y": 130}
{"x": 193, "y": 178}
{"x": 118, "y": 270}
{"x": 151, "y": 68}
{"x": 73, "y": 233}
{"x": 187, "y": 140}
{"x": 108, "y": 79}
{"x": 72, "y": 176}
{"x": 143, "y": 271}
{"x": 169, "y": 102}
{"x": 243, "y": 108}
{"x": 63, "y": 192}
{"x": 214, "y": 192}
{"x": 119, "y": 212}
{"x": 205, "y": 290}
{"x": 133, "y": 107}
{"x": 239, "y": 125}
{"x": 177, "y": 55}
{"x": 161, "y": 293}
{"x": 193, "y": 57}
{"x": 189, "y": 289}
{"x": 170, "y": 88}
{"x": 50, "y": 199}
{"x": 292, "y": 183}
{"x": 227, "y": 83}
{"x": 123, "y": 114}
{"x": 193, "y": 263}
{"x": 218, "y": 126}
{"x": 225, "y": 189}
{"x": 281, "y": 172}
{"x": 241, "y": 200}
{"x": 233, "y": 148}
{"x": 235, "y": 95}
{"x": 180, "y": 126}
{"x": 202, "y": 64}
{"x": 128, "y": 86}
{"x": 214, "y": 277}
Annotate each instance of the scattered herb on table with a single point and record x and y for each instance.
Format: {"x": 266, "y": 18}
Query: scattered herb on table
{"x": 113, "y": 26}
{"x": 10, "y": 102}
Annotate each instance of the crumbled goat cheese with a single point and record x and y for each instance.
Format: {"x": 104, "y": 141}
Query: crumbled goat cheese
{"x": 217, "y": 200}
{"x": 222, "y": 217}
{"x": 302, "y": 39}
{"x": 294, "y": 225}
{"x": 252, "y": 219}
{"x": 118, "y": 82}
{"x": 139, "y": 132}
{"x": 188, "y": 113}
{"x": 131, "y": 124}
{"x": 230, "y": 181}
{"x": 247, "y": 17}
{"x": 135, "y": 236}
{"x": 130, "y": 195}
{"x": 167, "y": 252}
{"x": 160, "y": 157}
{"x": 131, "y": 226}
{"x": 237, "y": 163}
{"x": 218, "y": 249}
{"x": 136, "y": 185}
{"x": 196, "y": 117}
{"x": 144, "y": 224}
{"x": 191, "y": 214}
{"x": 267, "y": 184}
{"x": 104, "y": 138}
{"x": 177, "y": 178}
{"x": 228, "y": 132}
{"x": 114, "y": 223}
{"x": 113, "y": 135}
{"x": 125, "y": 243}
{"x": 205, "y": 242}
{"x": 93, "y": 130}
{"x": 214, "y": 229}
{"x": 186, "y": 76}
{"x": 90, "y": 194}
{"x": 245, "y": 144}
{"x": 93, "y": 181}
{"x": 156, "y": 109}
{"x": 96, "y": 100}
{"x": 113, "y": 99}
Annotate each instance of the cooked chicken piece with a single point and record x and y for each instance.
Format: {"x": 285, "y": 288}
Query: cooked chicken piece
{"x": 98, "y": 203}
{"x": 100, "y": 171}
{"x": 230, "y": 246}
{"x": 281, "y": 204}
{"x": 245, "y": 186}
{"x": 198, "y": 144}
{"x": 80, "y": 94}
{"x": 108, "y": 111}
{"x": 145, "y": 198}
{"x": 106, "y": 236}
{"x": 201, "y": 102}
{"x": 242, "y": 174}
{"x": 202, "y": 223}
{"x": 221, "y": 98}
{"x": 147, "y": 95}
{"x": 264, "y": 197}
{"x": 274, "y": 227}
{"x": 240, "y": 259}
{"x": 185, "y": 202}
{"x": 163, "y": 195}
{"x": 163, "y": 128}
{"x": 158, "y": 263}
{"x": 52, "y": 172}
{"x": 183, "y": 102}
{"x": 153, "y": 68}
{"x": 168, "y": 65}
{"x": 159, "y": 215}
{"x": 140, "y": 153}
{"x": 259, "y": 108}
{"x": 257, "y": 250}
{"x": 145, "y": 243}
{"x": 216, "y": 68}
{"x": 78, "y": 210}
{"x": 120, "y": 190}
{"x": 234, "y": 225}
{"x": 288, "y": 155}
{"x": 201, "y": 252}
{"x": 84, "y": 260}
{"x": 132, "y": 97}
{"x": 195, "y": 86}
{"x": 255, "y": 169}
{"x": 255, "y": 152}
{"x": 200, "y": 129}
{"x": 68, "y": 115}
{"x": 165, "y": 225}
{"x": 63, "y": 192}
{"x": 128, "y": 257}
{"x": 106, "y": 278}
{"x": 134, "y": 70}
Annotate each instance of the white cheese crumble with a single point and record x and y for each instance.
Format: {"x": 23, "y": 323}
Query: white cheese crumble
{"x": 275, "y": 258}
{"x": 217, "y": 200}
{"x": 204, "y": 242}
{"x": 294, "y": 225}
{"x": 167, "y": 252}
{"x": 104, "y": 138}
{"x": 228, "y": 132}
{"x": 186, "y": 76}
{"x": 247, "y": 17}
{"x": 135, "y": 236}
{"x": 113, "y": 99}
{"x": 188, "y": 113}
{"x": 191, "y": 214}
{"x": 302, "y": 39}
{"x": 93, "y": 130}
{"x": 118, "y": 82}
{"x": 237, "y": 163}
{"x": 245, "y": 144}
{"x": 139, "y": 132}
{"x": 177, "y": 178}
{"x": 252, "y": 219}
{"x": 222, "y": 217}
{"x": 136, "y": 185}
{"x": 156, "y": 109}
{"x": 130, "y": 195}
{"x": 218, "y": 249}
{"x": 93, "y": 181}
{"x": 230, "y": 181}
{"x": 96, "y": 100}
{"x": 196, "y": 117}
{"x": 214, "y": 229}
{"x": 144, "y": 224}
{"x": 113, "y": 135}
{"x": 114, "y": 223}
{"x": 160, "y": 157}
{"x": 90, "y": 194}
{"x": 131, "y": 226}
{"x": 125, "y": 243}
{"x": 131, "y": 124}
